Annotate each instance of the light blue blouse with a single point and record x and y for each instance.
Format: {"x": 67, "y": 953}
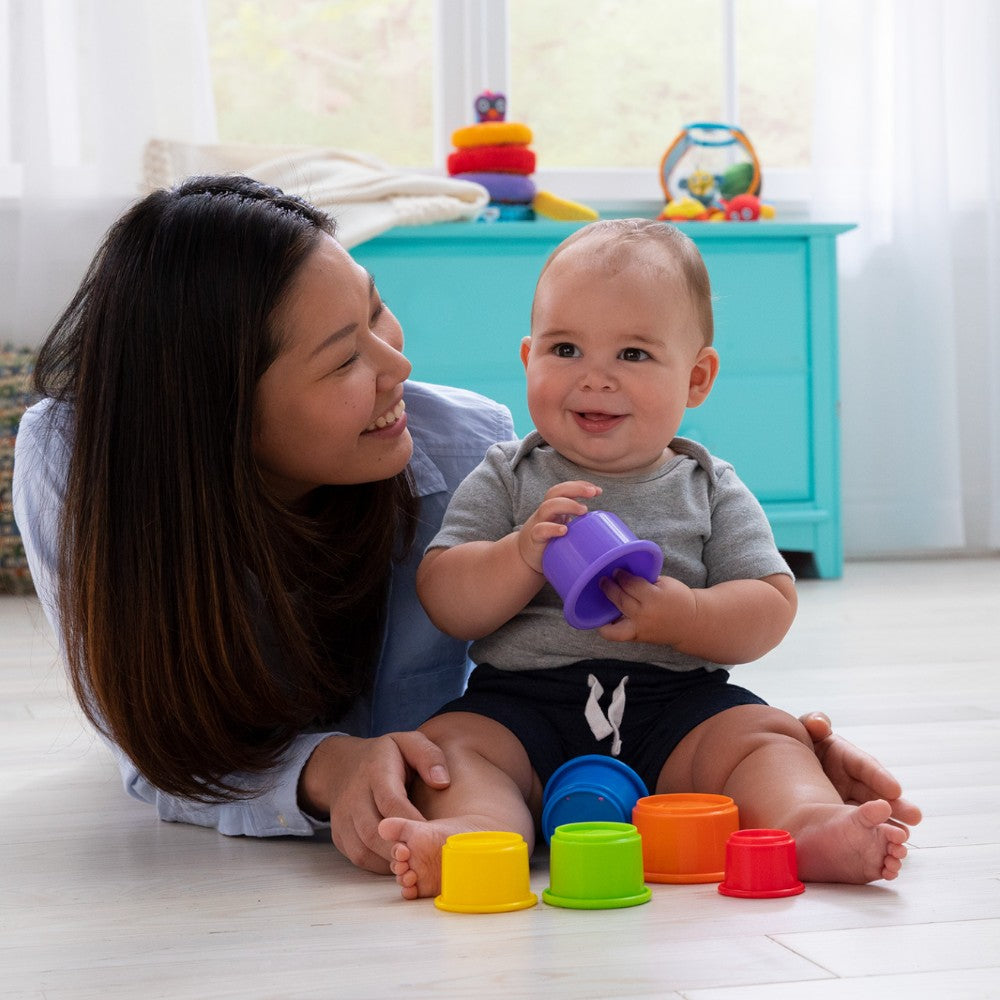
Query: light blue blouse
{"x": 419, "y": 669}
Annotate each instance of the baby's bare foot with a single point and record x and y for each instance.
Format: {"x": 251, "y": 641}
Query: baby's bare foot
{"x": 851, "y": 844}
{"x": 416, "y": 851}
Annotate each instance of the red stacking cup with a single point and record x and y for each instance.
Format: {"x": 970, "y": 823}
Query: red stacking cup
{"x": 761, "y": 864}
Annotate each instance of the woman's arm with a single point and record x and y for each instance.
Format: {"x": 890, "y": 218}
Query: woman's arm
{"x": 273, "y": 810}
{"x": 325, "y": 780}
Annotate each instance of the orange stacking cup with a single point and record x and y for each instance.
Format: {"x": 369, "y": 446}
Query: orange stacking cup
{"x": 684, "y": 836}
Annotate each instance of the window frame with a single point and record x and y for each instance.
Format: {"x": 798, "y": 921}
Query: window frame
{"x": 472, "y": 43}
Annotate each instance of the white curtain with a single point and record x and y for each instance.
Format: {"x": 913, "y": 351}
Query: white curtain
{"x": 907, "y": 146}
{"x": 86, "y": 83}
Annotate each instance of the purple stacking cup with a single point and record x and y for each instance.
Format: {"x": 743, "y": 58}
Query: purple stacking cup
{"x": 594, "y": 546}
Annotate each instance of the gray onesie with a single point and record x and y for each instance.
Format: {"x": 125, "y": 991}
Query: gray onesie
{"x": 710, "y": 526}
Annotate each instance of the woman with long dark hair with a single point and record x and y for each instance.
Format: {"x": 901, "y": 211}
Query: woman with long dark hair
{"x": 224, "y": 494}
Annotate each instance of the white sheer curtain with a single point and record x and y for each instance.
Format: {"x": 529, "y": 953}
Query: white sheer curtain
{"x": 907, "y": 146}
{"x": 88, "y": 82}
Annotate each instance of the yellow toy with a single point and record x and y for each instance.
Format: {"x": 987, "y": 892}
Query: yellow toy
{"x": 562, "y": 209}
{"x": 685, "y": 210}
{"x": 495, "y": 133}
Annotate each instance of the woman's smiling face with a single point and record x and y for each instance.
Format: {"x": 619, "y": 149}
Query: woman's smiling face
{"x": 329, "y": 409}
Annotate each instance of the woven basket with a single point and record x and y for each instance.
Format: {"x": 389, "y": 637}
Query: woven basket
{"x": 16, "y": 366}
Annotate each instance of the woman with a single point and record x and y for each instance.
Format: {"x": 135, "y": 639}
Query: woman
{"x": 224, "y": 494}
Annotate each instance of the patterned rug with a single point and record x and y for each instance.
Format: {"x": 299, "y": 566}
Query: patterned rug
{"x": 16, "y": 366}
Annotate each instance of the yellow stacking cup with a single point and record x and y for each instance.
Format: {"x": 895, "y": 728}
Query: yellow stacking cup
{"x": 485, "y": 872}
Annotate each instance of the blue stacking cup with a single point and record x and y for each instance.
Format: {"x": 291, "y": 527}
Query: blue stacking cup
{"x": 590, "y": 788}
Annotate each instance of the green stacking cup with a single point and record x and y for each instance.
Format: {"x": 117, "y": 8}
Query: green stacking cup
{"x": 596, "y": 866}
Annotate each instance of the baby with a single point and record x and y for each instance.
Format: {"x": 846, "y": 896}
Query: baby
{"x": 620, "y": 347}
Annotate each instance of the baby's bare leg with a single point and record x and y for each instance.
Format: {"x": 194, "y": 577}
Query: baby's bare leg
{"x": 764, "y": 760}
{"x": 857, "y": 776}
{"x": 493, "y": 787}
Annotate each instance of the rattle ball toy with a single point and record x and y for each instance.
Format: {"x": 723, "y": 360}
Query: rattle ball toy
{"x": 700, "y": 181}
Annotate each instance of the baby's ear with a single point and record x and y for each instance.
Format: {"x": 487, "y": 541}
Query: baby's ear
{"x": 703, "y": 373}
{"x": 525, "y": 350}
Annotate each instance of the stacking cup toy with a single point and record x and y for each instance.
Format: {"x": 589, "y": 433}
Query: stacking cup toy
{"x": 485, "y": 873}
{"x": 592, "y": 787}
{"x": 596, "y": 866}
{"x": 594, "y": 546}
{"x": 761, "y": 864}
{"x": 684, "y": 836}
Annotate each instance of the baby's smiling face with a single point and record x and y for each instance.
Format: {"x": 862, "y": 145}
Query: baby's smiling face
{"x": 614, "y": 359}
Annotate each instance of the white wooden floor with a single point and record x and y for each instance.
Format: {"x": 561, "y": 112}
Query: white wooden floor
{"x": 99, "y": 899}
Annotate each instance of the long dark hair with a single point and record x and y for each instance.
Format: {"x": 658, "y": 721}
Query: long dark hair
{"x": 204, "y": 623}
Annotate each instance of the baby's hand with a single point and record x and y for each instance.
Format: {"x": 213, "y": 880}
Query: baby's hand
{"x": 562, "y": 503}
{"x": 660, "y": 612}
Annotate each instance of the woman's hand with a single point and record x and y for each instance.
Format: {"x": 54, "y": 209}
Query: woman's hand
{"x": 358, "y": 782}
{"x": 857, "y": 776}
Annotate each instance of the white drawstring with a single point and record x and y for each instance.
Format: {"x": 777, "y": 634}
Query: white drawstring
{"x": 603, "y": 726}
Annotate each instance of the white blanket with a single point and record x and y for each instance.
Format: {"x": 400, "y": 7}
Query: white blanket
{"x": 364, "y": 195}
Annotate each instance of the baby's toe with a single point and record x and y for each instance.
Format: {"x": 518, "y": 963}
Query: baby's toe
{"x": 896, "y": 834}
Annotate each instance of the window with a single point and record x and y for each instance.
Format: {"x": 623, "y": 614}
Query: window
{"x": 617, "y": 88}
{"x": 605, "y": 86}
{"x": 355, "y": 74}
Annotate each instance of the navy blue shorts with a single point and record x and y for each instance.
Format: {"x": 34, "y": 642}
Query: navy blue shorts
{"x": 547, "y": 710}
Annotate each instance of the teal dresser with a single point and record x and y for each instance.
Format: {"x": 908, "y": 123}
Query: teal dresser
{"x": 462, "y": 292}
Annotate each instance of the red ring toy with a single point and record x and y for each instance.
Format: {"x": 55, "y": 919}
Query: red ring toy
{"x": 494, "y": 159}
